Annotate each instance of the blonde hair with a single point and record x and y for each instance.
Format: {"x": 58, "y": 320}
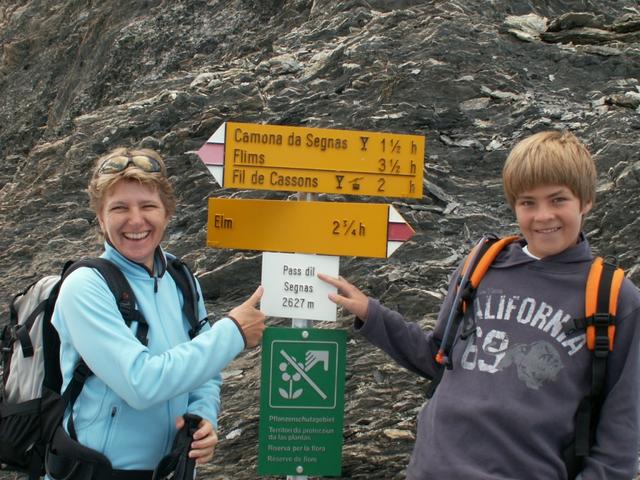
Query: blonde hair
{"x": 101, "y": 183}
{"x": 550, "y": 158}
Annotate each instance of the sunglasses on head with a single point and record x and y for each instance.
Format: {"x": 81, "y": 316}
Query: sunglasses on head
{"x": 121, "y": 162}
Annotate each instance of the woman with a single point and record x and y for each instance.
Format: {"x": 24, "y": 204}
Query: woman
{"x": 132, "y": 406}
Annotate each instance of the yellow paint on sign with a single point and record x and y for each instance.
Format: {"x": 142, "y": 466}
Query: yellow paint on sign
{"x": 329, "y": 228}
{"x": 275, "y": 157}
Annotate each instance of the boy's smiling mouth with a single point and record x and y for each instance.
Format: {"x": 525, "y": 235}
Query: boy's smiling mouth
{"x": 547, "y": 230}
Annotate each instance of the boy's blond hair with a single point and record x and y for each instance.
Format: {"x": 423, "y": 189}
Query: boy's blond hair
{"x": 550, "y": 158}
{"x": 101, "y": 183}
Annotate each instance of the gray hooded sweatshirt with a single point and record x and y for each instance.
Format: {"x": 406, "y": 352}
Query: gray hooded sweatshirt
{"x": 506, "y": 409}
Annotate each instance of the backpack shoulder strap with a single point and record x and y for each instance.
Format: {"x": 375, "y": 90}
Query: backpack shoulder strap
{"x": 488, "y": 252}
{"x": 126, "y": 301}
{"x": 119, "y": 286}
{"x": 186, "y": 282}
{"x": 601, "y": 303}
{"x": 472, "y": 272}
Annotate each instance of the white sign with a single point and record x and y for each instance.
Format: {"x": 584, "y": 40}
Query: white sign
{"x": 292, "y": 288}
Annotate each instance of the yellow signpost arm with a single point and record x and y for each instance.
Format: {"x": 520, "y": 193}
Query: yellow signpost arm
{"x": 329, "y": 228}
{"x": 348, "y": 162}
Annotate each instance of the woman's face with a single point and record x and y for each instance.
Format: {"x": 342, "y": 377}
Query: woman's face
{"x": 133, "y": 218}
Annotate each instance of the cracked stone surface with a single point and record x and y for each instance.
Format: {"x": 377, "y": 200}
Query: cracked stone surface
{"x": 472, "y": 77}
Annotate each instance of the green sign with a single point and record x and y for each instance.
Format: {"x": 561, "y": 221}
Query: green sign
{"x": 301, "y": 401}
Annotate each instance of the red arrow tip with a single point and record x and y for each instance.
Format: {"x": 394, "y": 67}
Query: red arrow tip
{"x": 212, "y": 154}
{"x": 399, "y": 232}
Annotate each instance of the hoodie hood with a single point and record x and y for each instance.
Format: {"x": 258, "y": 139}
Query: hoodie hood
{"x": 513, "y": 254}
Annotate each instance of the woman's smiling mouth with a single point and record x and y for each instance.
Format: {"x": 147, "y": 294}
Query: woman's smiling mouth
{"x": 136, "y": 236}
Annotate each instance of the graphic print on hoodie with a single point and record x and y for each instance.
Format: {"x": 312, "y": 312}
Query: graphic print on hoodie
{"x": 491, "y": 350}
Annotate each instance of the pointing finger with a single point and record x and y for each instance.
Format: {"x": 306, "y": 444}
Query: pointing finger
{"x": 329, "y": 279}
{"x": 340, "y": 283}
{"x": 254, "y": 299}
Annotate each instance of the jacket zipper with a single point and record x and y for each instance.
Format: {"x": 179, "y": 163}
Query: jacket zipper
{"x": 112, "y": 419}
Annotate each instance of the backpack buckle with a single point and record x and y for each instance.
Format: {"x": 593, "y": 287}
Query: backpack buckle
{"x": 125, "y": 306}
{"x": 467, "y": 292}
{"x": 600, "y": 320}
{"x": 601, "y": 333}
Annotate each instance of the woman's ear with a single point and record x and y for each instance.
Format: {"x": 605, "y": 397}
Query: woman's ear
{"x": 101, "y": 224}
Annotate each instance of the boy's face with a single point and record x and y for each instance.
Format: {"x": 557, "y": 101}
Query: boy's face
{"x": 550, "y": 218}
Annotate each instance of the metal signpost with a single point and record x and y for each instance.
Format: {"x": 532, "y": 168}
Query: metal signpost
{"x": 303, "y": 369}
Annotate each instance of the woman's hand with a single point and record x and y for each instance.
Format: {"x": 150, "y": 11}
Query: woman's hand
{"x": 204, "y": 442}
{"x": 348, "y": 296}
{"x": 249, "y": 319}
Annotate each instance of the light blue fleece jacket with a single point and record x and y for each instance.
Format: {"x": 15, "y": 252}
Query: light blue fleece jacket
{"x": 127, "y": 409}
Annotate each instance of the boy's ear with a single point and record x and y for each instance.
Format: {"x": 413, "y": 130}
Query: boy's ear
{"x": 586, "y": 208}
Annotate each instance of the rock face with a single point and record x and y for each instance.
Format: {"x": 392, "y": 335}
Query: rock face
{"x": 472, "y": 77}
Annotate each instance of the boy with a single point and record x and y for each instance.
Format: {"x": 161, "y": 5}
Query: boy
{"x": 506, "y": 409}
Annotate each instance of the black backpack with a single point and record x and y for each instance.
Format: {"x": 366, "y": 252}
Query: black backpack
{"x": 31, "y": 404}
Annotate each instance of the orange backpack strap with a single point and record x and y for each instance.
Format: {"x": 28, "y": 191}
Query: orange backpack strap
{"x": 488, "y": 258}
{"x": 601, "y": 304}
{"x": 483, "y": 263}
{"x": 473, "y": 270}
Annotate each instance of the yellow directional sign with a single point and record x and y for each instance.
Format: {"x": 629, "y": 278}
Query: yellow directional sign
{"x": 329, "y": 228}
{"x": 277, "y": 157}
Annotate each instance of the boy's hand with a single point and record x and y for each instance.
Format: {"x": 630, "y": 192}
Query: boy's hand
{"x": 204, "y": 442}
{"x": 249, "y": 319}
{"x": 348, "y": 296}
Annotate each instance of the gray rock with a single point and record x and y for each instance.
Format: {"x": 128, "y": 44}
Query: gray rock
{"x": 472, "y": 77}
